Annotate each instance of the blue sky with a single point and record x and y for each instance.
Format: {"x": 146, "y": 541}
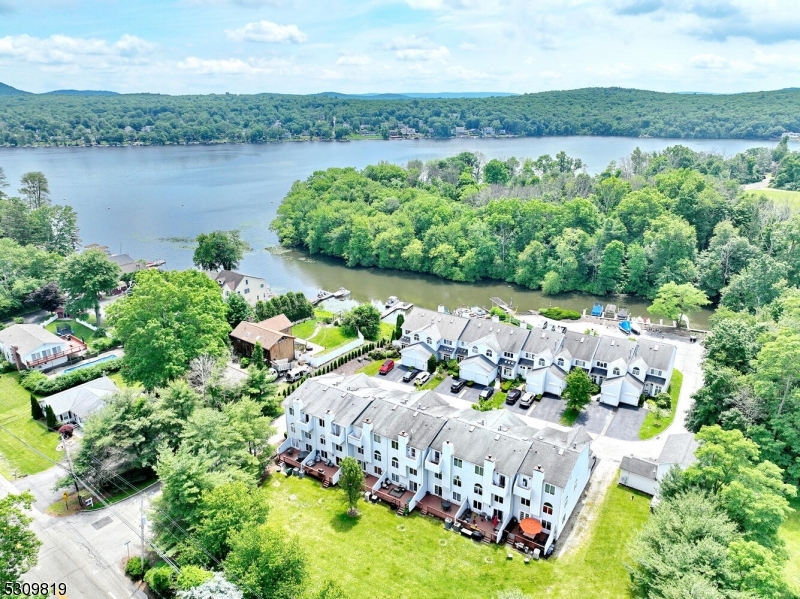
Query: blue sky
{"x": 308, "y": 46}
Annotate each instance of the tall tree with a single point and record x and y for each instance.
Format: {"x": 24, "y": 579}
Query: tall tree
{"x": 48, "y": 297}
{"x": 578, "y": 391}
{"x": 170, "y": 319}
{"x": 237, "y": 309}
{"x": 3, "y": 184}
{"x": 219, "y": 250}
{"x": 675, "y": 301}
{"x": 84, "y": 276}
{"x": 35, "y": 189}
{"x": 364, "y": 318}
{"x": 19, "y": 546}
{"x": 351, "y": 482}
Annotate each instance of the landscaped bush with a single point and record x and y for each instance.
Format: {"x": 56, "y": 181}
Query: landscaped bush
{"x": 506, "y": 385}
{"x": 663, "y": 401}
{"x": 105, "y": 343}
{"x": 19, "y": 320}
{"x": 556, "y": 313}
{"x": 161, "y": 579}
{"x": 134, "y": 568}
{"x": 6, "y": 366}
{"x": 244, "y": 362}
{"x": 35, "y": 382}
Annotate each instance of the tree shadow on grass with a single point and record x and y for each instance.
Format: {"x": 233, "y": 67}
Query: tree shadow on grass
{"x": 343, "y": 523}
{"x": 569, "y": 417}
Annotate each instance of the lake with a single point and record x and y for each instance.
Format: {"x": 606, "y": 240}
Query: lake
{"x": 146, "y": 201}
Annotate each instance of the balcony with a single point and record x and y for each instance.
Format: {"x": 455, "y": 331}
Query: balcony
{"x": 336, "y": 434}
{"x": 306, "y": 425}
{"x": 412, "y": 459}
{"x": 433, "y": 464}
{"x": 74, "y": 346}
{"x": 356, "y": 439}
{"x": 521, "y": 491}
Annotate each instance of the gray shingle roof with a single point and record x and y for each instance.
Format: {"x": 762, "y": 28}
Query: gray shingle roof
{"x": 610, "y": 349}
{"x": 580, "y": 350}
{"x": 480, "y": 362}
{"x": 389, "y": 420}
{"x": 473, "y": 443}
{"x": 84, "y": 399}
{"x": 638, "y": 466}
{"x": 509, "y": 338}
{"x": 679, "y": 449}
{"x": 659, "y": 358}
{"x": 449, "y": 326}
{"x": 27, "y": 337}
{"x": 556, "y": 462}
{"x": 540, "y": 340}
{"x": 320, "y": 398}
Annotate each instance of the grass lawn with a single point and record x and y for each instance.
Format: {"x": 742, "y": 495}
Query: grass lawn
{"x": 652, "y": 427}
{"x": 790, "y": 533}
{"x": 386, "y": 330}
{"x": 305, "y": 329}
{"x": 436, "y": 379}
{"x": 78, "y": 329}
{"x": 792, "y": 198}
{"x": 569, "y": 417}
{"x": 331, "y": 337}
{"x": 15, "y": 415}
{"x": 371, "y": 369}
{"x": 381, "y": 555}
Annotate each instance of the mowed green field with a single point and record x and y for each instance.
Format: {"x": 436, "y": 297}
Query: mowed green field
{"x": 381, "y": 555}
{"x": 791, "y": 198}
{"x": 790, "y": 533}
{"x": 15, "y": 415}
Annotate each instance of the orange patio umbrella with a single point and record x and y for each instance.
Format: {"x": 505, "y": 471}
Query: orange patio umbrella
{"x": 530, "y": 526}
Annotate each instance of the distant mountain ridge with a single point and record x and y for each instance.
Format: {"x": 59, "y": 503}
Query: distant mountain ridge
{"x": 81, "y": 92}
{"x": 7, "y": 90}
{"x": 413, "y": 95}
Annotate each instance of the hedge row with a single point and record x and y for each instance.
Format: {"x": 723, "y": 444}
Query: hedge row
{"x": 35, "y": 382}
{"x": 557, "y": 313}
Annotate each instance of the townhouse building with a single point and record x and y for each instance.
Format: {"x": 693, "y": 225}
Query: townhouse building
{"x": 485, "y": 470}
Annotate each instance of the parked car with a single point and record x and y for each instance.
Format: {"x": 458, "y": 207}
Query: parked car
{"x": 486, "y": 393}
{"x": 513, "y": 396}
{"x": 295, "y": 374}
{"x": 526, "y": 401}
{"x": 386, "y": 367}
{"x": 410, "y": 375}
{"x": 457, "y": 385}
{"x": 422, "y": 378}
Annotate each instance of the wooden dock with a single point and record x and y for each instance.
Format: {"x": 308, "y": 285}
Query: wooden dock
{"x": 403, "y": 306}
{"x": 502, "y": 305}
{"x": 326, "y": 295}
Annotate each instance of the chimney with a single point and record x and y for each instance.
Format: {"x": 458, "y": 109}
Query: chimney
{"x": 495, "y": 318}
{"x": 440, "y": 309}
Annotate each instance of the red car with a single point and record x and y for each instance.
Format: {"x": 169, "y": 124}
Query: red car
{"x": 386, "y": 367}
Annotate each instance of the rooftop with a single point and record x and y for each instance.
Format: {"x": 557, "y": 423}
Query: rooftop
{"x": 28, "y": 337}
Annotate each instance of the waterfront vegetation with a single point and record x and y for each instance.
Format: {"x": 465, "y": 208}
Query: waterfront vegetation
{"x": 370, "y": 555}
{"x": 790, "y": 534}
{"x": 656, "y": 423}
{"x": 675, "y": 216}
{"x": 159, "y": 119}
{"x": 15, "y": 415}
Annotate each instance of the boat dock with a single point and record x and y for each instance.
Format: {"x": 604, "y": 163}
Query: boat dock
{"x": 326, "y": 295}
{"x": 502, "y": 305}
{"x": 401, "y": 306}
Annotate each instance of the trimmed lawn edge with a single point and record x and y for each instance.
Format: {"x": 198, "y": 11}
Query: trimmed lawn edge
{"x": 652, "y": 427}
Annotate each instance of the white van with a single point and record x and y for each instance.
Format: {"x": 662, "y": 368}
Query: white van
{"x": 295, "y": 374}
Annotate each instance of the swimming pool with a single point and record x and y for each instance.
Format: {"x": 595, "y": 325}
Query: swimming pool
{"x": 92, "y": 363}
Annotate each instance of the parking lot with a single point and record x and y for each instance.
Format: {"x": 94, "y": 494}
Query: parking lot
{"x": 468, "y": 394}
{"x": 626, "y": 424}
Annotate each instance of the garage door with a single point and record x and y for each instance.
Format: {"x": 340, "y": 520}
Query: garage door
{"x": 411, "y": 362}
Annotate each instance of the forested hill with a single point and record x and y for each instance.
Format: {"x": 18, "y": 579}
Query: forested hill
{"x": 156, "y": 119}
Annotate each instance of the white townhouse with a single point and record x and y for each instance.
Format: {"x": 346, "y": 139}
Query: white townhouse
{"x": 646, "y": 475}
{"x": 576, "y": 350}
{"x": 485, "y": 470}
{"x": 427, "y": 333}
{"x": 31, "y": 346}
{"x": 539, "y": 350}
{"x": 249, "y": 287}
{"x": 635, "y": 369}
{"x": 488, "y": 348}
{"x": 653, "y": 365}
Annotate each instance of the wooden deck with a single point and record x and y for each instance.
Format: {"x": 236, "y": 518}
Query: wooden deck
{"x": 322, "y": 472}
{"x": 369, "y": 482}
{"x": 432, "y": 505}
{"x": 292, "y": 458}
{"x": 392, "y": 496}
{"x": 520, "y": 541}
{"x": 485, "y": 526}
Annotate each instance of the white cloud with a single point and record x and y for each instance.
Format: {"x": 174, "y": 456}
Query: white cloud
{"x": 66, "y": 50}
{"x": 467, "y": 46}
{"x": 359, "y": 60}
{"x": 267, "y": 32}
{"x": 423, "y": 54}
{"x": 716, "y": 62}
{"x": 409, "y": 42}
{"x": 233, "y": 66}
{"x": 460, "y": 73}
{"x": 443, "y": 4}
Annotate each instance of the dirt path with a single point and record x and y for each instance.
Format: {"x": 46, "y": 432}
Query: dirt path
{"x": 582, "y": 522}
{"x": 758, "y": 185}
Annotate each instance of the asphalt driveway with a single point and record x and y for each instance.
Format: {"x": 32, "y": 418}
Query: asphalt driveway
{"x": 468, "y": 394}
{"x": 626, "y": 424}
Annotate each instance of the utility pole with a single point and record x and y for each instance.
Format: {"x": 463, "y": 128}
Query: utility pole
{"x": 143, "y": 521}
{"x": 71, "y": 469}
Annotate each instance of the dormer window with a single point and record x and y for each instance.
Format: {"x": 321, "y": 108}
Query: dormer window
{"x": 416, "y": 337}
{"x": 541, "y": 361}
{"x": 488, "y": 353}
{"x": 561, "y": 361}
{"x": 474, "y": 349}
{"x": 615, "y": 371}
{"x": 636, "y": 371}
{"x": 429, "y": 341}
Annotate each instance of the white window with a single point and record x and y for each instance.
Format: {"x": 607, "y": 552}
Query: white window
{"x": 413, "y": 486}
{"x": 336, "y": 430}
{"x": 321, "y": 422}
{"x": 549, "y": 489}
{"x": 324, "y": 455}
{"x": 602, "y": 364}
{"x": 338, "y": 448}
{"x": 457, "y": 497}
{"x": 437, "y": 490}
{"x": 360, "y": 451}
{"x": 488, "y": 353}
{"x": 547, "y": 508}
{"x": 412, "y": 452}
{"x": 541, "y": 361}
{"x": 309, "y": 447}
{"x": 477, "y": 505}
{"x": 437, "y": 475}
{"x": 523, "y": 482}
{"x": 457, "y": 462}
{"x": 636, "y": 371}
{"x": 292, "y": 427}
{"x": 525, "y": 502}
{"x": 477, "y": 489}
{"x": 479, "y": 470}
{"x": 523, "y": 515}
{"x": 307, "y": 435}
{"x": 322, "y": 440}
{"x": 412, "y": 471}
{"x": 561, "y": 361}
{"x": 615, "y": 372}
{"x": 547, "y": 525}
{"x": 497, "y": 499}
{"x": 394, "y": 444}
{"x": 378, "y": 470}
{"x": 376, "y": 438}
{"x": 447, "y": 342}
{"x": 416, "y": 337}
{"x": 395, "y": 463}
{"x": 508, "y": 354}
{"x": 291, "y": 411}
{"x": 377, "y": 456}
{"x": 429, "y": 341}
{"x": 474, "y": 349}
{"x": 395, "y": 478}
{"x": 456, "y": 481}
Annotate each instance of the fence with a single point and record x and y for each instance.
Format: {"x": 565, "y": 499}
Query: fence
{"x": 86, "y": 324}
{"x": 49, "y": 320}
{"x": 320, "y": 360}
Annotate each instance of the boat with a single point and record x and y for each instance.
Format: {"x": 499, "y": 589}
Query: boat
{"x": 322, "y": 293}
{"x": 391, "y": 301}
{"x": 597, "y": 309}
{"x": 342, "y": 293}
{"x": 625, "y": 326}
{"x": 635, "y": 328}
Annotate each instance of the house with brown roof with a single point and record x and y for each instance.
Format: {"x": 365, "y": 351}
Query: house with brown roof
{"x": 274, "y": 335}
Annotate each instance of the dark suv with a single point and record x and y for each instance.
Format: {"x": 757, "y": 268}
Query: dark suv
{"x": 410, "y": 375}
{"x": 513, "y": 396}
{"x": 457, "y": 385}
{"x": 486, "y": 393}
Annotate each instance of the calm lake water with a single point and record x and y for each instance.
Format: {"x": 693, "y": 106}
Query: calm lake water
{"x": 144, "y": 200}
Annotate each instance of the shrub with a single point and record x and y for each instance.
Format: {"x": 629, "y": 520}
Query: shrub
{"x": 160, "y": 579}
{"x": 36, "y": 382}
{"x": 134, "y": 568}
{"x": 19, "y": 320}
{"x": 328, "y": 319}
{"x": 192, "y": 576}
{"x": 100, "y": 332}
{"x": 105, "y": 343}
{"x": 506, "y": 385}
{"x": 556, "y": 313}
{"x": 244, "y": 362}
{"x": 663, "y": 401}
{"x": 6, "y": 366}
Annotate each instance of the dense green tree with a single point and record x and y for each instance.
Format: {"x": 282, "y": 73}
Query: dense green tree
{"x": 578, "y": 391}
{"x": 35, "y": 189}
{"x": 48, "y": 297}
{"x": 237, "y": 309}
{"x": 756, "y": 286}
{"x": 611, "y": 272}
{"x": 728, "y": 253}
{"x": 84, "y": 277}
{"x": 19, "y": 547}
{"x": 170, "y": 319}
{"x": 788, "y": 175}
{"x": 219, "y": 250}
{"x": 351, "y": 482}
{"x": 36, "y": 408}
{"x": 266, "y": 564}
{"x": 50, "y": 418}
{"x": 675, "y": 301}
{"x": 496, "y": 171}
{"x": 365, "y": 318}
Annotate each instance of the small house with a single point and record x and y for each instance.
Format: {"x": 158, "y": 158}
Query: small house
{"x": 75, "y": 405}
{"x": 274, "y": 335}
{"x": 31, "y": 346}
{"x": 249, "y": 287}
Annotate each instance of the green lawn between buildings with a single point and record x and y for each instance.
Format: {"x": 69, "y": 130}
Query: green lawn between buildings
{"x": 80, "y": 331}
{"x": 652, "y": 427}
{"x": 15, "y": 415}
{"x": 381, "y": 555}
{"x": 790, "y": 533}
